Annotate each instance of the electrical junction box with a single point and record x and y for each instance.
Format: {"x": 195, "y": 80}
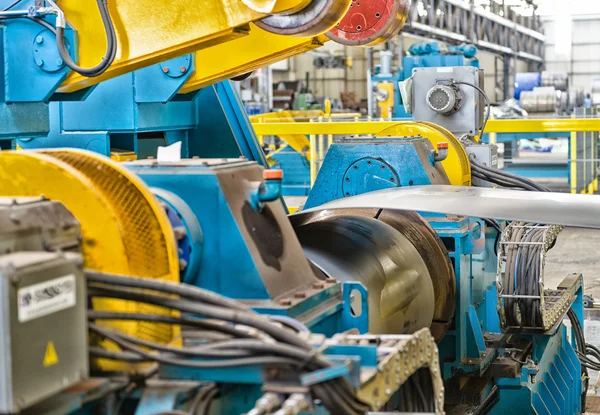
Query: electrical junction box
{"x": 486, "y": 154}
{"x": 441, "y": 96}
{"x": 43, "y": 327}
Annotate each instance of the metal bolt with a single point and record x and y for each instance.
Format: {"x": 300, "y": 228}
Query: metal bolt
{"x": 166, "y": 69}
{"x": 39, "y": 40}
{"x": 182, "y": 69}
{"x": 59, "y": 62}
{"x": 285, "y": 301}
{"x": 318, "y": 285}
{"x": 300, "y": 295}
{"x": 39, "y": 62}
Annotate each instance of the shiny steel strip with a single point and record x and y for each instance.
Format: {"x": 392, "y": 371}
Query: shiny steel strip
{"x": 541, "y": 207}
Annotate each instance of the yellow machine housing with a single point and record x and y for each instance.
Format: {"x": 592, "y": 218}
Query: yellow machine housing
{"x": 124, "y": 229}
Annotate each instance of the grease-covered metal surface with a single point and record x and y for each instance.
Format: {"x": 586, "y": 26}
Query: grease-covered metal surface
{"x": 363, "y": 249}
{"x": 541, "y": 207}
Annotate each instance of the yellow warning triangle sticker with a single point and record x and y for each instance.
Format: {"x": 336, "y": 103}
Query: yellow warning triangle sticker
{"x": 50, "y": 358}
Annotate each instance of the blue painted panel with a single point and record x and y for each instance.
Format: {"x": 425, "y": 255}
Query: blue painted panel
{"x": 223, "y": 129}
{"x": 397, "y": 162}
{"x": 160, "y": 83}
{"x": 225, "y": 253}
{"x": 27, "y": 62}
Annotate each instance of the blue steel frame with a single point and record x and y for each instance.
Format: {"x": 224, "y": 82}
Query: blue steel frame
{"x": 552, "y": 383}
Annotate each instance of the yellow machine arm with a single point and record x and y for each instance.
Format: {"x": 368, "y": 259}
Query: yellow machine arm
{"x": 229, "y": 37}
{"x": 149, "y": 33}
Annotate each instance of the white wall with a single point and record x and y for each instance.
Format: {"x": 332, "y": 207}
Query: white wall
{"x": 582, "y": 58}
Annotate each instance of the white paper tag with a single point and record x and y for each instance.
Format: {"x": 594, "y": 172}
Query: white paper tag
{"x": 45, "y": 298}
{"x": 169, "y": 153}
{"x": 443, "y": 69}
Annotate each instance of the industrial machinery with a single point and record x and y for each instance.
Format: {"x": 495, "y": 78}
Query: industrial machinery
{"x": 201, "y": 295}
{"x": 547, "y": 92}
{"x": 384, "y": 82}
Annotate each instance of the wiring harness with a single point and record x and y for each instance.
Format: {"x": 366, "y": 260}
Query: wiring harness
{"x": 59, "y": 31}
{"x": 235, "y": 336}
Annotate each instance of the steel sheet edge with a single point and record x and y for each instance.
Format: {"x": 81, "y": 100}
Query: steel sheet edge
{"x": 544, "y": 207}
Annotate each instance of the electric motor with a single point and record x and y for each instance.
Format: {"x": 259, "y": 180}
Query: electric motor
{"x": 445, "y": 99}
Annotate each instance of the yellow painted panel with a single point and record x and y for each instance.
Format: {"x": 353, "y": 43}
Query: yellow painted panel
{"x": 150, "y": 33}
{"x": 373, "y": 127}
{"x": 124, "y": 230}
{"x": 245, "y": 54}
{"x": 456, "y": 165}
{"x": 558, "y": 125}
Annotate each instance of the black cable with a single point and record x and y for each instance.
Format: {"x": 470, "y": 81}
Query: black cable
{"x": 205, "y": 405}
{"x": 200, "y": 397}
{"x": 582, "y": 349}
{"x": 198, "y": 364}
{"x": 508, "y": 176}
{"x": 200, "y": 351}
{"x": 205, "y": 310}
{"x": 111, "y": 48}
{"x": 184, "y": 290}
{"x": 136, "y": 381}
{"x": 487, "y": 102}
{"x": 342, "y": 397}
{"x": 59, "y": 32}
{"x": 158, "y": 318}
{"x": 502, "y": 176}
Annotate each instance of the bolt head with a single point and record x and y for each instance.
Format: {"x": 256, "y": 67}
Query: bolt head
{"x": 285, "y": 302}
{"x": 300, "y": 295}
{"x": 59, "y": 62}
{"x": 39, "y": 40}
{"x": 318, "y": 285}
{"x": 182, "y": 69}
{"x": 39, "y": 62}
{"x": 166, "y": 69}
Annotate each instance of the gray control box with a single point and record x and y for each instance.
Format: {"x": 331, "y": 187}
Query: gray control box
{"x": 442, "y": 96}
{"x": 486, "y": 154}
{"x": 43, "y": 327}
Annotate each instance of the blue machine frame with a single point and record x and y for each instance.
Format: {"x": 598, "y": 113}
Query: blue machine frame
{"x": 551, "y": 383}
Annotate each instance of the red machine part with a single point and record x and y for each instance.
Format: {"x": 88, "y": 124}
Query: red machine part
{"x": 369, "y": 22}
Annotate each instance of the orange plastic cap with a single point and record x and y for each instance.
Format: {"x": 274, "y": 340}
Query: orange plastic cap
{"x": 442, "y": 145}
{"x": 273, "y": 174}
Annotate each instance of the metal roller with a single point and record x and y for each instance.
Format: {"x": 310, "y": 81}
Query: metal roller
{"x": 431, "y": 248}
{"x": 370, "y": 22}
{"x": 378, "y": 250}
{"x": 318, "y": 17}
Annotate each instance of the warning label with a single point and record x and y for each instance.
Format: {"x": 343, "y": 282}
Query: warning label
{"x": 45, "y": 298}
{"x": 50, "y": 358}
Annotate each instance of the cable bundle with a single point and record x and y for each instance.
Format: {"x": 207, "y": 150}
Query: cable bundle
{"x": 59, "y": 32}
{"x": 504, "y": 179}
{"x": 586, "y": 353}
{"x": 251, "y": 339}
{"x": 523, "y": 270}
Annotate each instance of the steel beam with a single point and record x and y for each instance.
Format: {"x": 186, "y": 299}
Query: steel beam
{"x": 459, "y": 21}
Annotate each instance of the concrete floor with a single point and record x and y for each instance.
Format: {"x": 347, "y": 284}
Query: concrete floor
{"x": 576, "y": 250}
